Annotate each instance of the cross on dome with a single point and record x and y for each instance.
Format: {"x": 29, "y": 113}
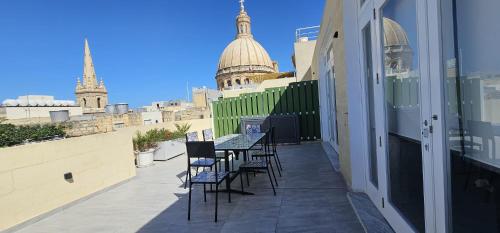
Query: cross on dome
{"x": 242, "y": 6}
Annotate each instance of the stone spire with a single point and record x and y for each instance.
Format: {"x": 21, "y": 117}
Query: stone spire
{"x": 243, "y": 23}
{"x": 91, "y": 94}
{"x": 89, "y": 77}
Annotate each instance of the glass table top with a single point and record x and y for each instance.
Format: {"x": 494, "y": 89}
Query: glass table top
{"x": 238, "y": 141}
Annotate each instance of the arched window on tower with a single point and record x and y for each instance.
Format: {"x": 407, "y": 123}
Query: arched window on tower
{"x": 99, "y": 102}
{"x": 238, "y": 82}
{"x": 84, "y": 102}
{"x": 247, "y": 81}
{"x": 229, "y": 83}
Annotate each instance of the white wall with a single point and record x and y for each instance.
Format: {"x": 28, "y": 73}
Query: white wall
{"x": 14, "y": 113}
{"x": 304, "y": 51}
{"x": 356, "y": 94}
{"x": 152, "y": 117}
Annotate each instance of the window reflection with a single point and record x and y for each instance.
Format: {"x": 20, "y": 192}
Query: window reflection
{"x": 402, "y": 88}
{"x": 471, "y": 36}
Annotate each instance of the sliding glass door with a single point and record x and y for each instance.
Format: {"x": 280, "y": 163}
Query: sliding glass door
{"x": 471, "y": 49}
{"x": 398, "y": 112}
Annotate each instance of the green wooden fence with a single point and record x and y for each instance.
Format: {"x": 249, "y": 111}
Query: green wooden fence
{"x": 300, "y": 98}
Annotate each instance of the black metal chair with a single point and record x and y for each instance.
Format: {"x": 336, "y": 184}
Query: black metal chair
{"x": 205, "y": 150}
{"x": 272, "y": 152}
{"x": 198, "y": 163}
{"x": 261, "y": 163}
{"x": 208, "y": 135}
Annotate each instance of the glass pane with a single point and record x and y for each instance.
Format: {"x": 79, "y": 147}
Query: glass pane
{"x": 471, "y": 33}
{"x": 372, "y": 135}
{"x": 402, "y": 88}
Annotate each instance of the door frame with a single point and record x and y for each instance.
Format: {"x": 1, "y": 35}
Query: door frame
{"x": 427, "y": 109}
{"x": 327, "y": 70}
{"x": 441, "y": 166}
{"x": 365, "y": 18}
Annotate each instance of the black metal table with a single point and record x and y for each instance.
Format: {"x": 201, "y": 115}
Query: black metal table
{"x": 236, "y": 143}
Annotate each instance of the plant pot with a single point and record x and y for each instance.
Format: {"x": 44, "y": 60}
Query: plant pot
{"x": 145, "y": 159}
{"x": 169, "y": 149}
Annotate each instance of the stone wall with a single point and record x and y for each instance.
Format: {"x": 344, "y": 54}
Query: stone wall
{"x": 99, "y": 124}
{"x": 193, "y": 114}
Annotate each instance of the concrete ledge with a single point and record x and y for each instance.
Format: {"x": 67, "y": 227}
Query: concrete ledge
{"x": 331, "y": 155}
{"x": 369, "y": 216}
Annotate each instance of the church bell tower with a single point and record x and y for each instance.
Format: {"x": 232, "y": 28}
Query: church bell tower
{"x": 90, "y": 95}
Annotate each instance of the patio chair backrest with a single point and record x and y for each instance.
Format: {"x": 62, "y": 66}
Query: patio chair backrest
{"x": 208, "y": 135}
{"x": 251, "y": 129}
{"x": 200, "y": 149}
{"x": 192, "y": 137}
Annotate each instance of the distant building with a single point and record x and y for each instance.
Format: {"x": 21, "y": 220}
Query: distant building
{"x": 150, "y": 118}
{"x": 202, "y": 97}
{"x": 244, "y": 59}
{"x": 36, "y": 108}
{"x": 169, "y": 105}
{"x": 90, "y": 95}
{"x": 305, "y": 43}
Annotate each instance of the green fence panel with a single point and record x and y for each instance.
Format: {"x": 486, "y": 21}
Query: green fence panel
{"x": 270, "y": 99}
{"x": 296, "y": 98}
{"x": 289, "y": 98}
{"x": 229, "y": 117}
{"x": 265, "y": 103}
{"x": 255, "y": 111}
{"x": 260, "y": 104}
{"x": 277, "y": 105}
{"x": 243, "y": 102}
{"x": 283, "y": 100}
{"x": 317, "y": 126}
{"x": 215, "y": 115}
{"x": 300, "y": 98}
{"x": 249, "y": 105}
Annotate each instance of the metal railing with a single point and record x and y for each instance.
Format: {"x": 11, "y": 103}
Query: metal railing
{"x": 309, "y": 33}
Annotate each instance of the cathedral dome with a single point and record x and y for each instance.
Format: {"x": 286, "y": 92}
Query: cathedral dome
{"x": 398, "y": 53}
{"x": 243, "y": 58}
{"x": 244, "y": 54}
{"x": 394, "y": 34}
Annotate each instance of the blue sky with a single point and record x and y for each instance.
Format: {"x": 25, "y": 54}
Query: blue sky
{"x": 144, "y": 50}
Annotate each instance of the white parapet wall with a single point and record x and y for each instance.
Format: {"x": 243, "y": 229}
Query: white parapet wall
{"x": 197, "y": 125}
{"x": 27, "y": 112}
{"x": 32, "y": 178}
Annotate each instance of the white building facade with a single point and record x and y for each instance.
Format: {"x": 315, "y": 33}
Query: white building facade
{"x": 36, "y": 107}
{"x": 409, "y": 95}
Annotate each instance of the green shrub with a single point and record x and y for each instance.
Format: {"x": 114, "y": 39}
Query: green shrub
{"x": 181, "y": 130}
{"x": 150, "y": 139}
{"x": 144, "y": 142}
{"x": 11, "y": 135}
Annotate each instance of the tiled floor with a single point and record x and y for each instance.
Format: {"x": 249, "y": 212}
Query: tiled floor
{"x": 311, "y": 197}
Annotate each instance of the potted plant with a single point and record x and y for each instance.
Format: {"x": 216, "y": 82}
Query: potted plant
{"x": 144, "y": 147}
{"x": 169, "y": 145}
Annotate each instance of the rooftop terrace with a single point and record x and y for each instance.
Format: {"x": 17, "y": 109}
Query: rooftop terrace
{"x": 311, "y": 197}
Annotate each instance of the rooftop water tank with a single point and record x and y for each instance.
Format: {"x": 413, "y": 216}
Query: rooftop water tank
{"x": 110, "y": 109}
{"x": 121, "y": 108}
